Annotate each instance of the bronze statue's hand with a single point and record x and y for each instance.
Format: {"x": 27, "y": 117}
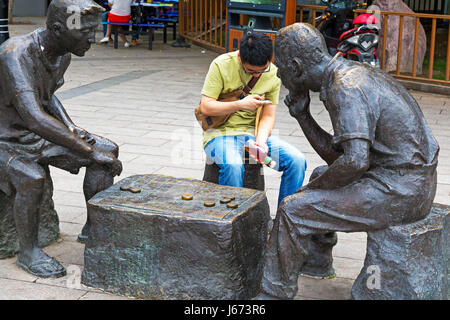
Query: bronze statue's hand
{"x": 298, "y": 104}
{"x": 82, "y": 134}
{"x": 108, "y": 159}
{"x": 117, "y": 167}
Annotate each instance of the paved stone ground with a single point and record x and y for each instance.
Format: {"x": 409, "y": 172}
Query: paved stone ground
{"x": 143, "y": 100}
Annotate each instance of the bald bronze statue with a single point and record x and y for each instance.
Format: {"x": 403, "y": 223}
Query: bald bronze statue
{"x": 35, "y": 129}
{"x": 381, "y": 159}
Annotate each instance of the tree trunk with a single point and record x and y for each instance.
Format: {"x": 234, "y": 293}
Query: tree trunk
{"x": 10, "y": 11}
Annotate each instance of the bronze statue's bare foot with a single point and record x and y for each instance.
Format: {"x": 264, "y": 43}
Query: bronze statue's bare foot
{"x": 41, "y": 265}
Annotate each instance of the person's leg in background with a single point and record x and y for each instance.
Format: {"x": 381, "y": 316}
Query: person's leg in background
{"x": 104, "y": 21}
{"x": 116, "y": 19}
{"x": 134, "y": 38}
{"x": 291, "y": 162}
{"x": 227, "y": 152}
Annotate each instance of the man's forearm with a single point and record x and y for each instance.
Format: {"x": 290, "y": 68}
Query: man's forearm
{"x": 219, "y": 108}
{"x": 319, "y": 139}
{"x": 47, "y": 126}
{"x": 266, "y": 123}
{"x": 56, "y": 109}
{"x": 337, "y": 175}
{"x": 347, "y": 168}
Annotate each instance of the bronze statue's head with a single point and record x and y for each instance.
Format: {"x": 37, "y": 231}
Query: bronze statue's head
{"x": 73, "y": 24}
{"x": 300, "y": 55}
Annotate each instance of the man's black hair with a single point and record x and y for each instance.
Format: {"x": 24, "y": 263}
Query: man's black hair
{"x": 256, "y": 49}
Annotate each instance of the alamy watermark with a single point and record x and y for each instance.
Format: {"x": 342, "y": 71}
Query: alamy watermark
{"x": 74, "y": 20}
{"x": 374, "y": 280}
{"x": 73, "y": 280}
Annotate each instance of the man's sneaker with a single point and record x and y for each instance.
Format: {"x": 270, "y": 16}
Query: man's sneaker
{"x": 127, "y": 45}
{"x": 105, "y": 40}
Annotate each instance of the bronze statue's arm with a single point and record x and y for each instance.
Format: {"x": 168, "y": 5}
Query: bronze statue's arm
{"x": 46, "y": 126}
{"x": 319, "y": 139}
{"x": 347, "y": 168}
{"x": 56, "y": 109}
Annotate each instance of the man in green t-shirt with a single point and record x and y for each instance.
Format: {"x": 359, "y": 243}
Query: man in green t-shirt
{"x": 253, "y": 117}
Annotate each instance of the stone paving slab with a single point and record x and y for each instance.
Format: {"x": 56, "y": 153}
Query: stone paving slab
{"x": 144, "y": 100}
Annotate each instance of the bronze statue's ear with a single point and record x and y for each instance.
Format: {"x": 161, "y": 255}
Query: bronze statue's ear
{"x": 57, "y": 28}
{"x": 298, "y": 68}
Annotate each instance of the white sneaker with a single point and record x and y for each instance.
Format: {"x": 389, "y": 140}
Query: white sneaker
{"x": 127, "y": 45}
{"x": 104, "y": 40}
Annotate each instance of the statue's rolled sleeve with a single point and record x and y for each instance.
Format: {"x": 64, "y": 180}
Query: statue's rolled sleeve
{"x": 350, "y": 116}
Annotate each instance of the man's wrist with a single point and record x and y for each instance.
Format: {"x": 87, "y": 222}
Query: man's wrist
{"x": 303, "y": 115}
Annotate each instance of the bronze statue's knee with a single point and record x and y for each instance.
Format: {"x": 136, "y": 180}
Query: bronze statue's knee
{"x": 107, "y": 145}
{"x": 317, "y": 172}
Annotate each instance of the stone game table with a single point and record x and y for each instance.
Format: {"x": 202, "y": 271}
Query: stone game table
{"x": 147, "y": 242}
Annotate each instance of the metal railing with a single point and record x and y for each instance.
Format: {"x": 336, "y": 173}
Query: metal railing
{"x": 428, "y": 6}
{"x": 388, "y": 17}
{"x": 204, "y": 22}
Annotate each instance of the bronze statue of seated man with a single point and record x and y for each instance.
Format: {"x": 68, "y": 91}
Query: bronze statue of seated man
{"x": 381, "y": 159}
{"x": 36, "y": 131}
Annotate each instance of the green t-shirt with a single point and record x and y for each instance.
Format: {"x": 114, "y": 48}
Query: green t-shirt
{"x": 226, "y": 75}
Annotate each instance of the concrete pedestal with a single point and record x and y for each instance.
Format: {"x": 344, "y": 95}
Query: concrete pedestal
{"x": 154, "y": 245}
{"x": 408, "y": 262}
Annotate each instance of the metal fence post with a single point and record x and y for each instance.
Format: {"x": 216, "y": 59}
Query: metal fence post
{"x": 4, "y": 32}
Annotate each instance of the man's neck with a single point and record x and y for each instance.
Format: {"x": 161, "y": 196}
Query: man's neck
{"x": 320, "y": 72}
{"x": 49, "y": 46}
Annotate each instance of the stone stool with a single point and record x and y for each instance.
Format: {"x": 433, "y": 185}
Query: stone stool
{"x": 253, "y": 175}
{"x": 48, "y": 222}
{"x": 146, "y": 241}
{"x": 408, "y": 262}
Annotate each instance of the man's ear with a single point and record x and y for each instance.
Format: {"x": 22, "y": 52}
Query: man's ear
{"x": 57, "y": 28}
{"x": 298, "y": 68}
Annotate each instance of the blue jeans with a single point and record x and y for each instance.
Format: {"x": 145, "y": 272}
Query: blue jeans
{"x": 228, "y": 153}
{"x": 105, "y": 19}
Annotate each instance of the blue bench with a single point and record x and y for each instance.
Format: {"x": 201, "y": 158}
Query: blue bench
{"x": 139, "y": 31}
{"x": 173, "y": 21}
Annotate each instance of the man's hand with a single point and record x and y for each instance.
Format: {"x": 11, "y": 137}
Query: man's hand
{"x": 262, "y": 142}
{"x": 108, "y": 159}
{"x": 298, "y": 104}
{"x": 252, "y": 102}
{"x": 82, "y": 134}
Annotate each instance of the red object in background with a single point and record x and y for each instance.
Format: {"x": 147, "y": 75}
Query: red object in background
{"x": 366, "y": 18}
{"x": 118, "y": 19}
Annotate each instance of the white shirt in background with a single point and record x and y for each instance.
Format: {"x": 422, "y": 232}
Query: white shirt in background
{"x": 121, "y": 7}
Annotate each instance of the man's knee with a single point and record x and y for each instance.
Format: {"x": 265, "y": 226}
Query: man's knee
{"x": 297, "y": 210}
{"x": 294, "y": 161}
{"x": 298, "y": 162}
{"x": 106, "y": 145}
{"x": 317, "y": 172}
